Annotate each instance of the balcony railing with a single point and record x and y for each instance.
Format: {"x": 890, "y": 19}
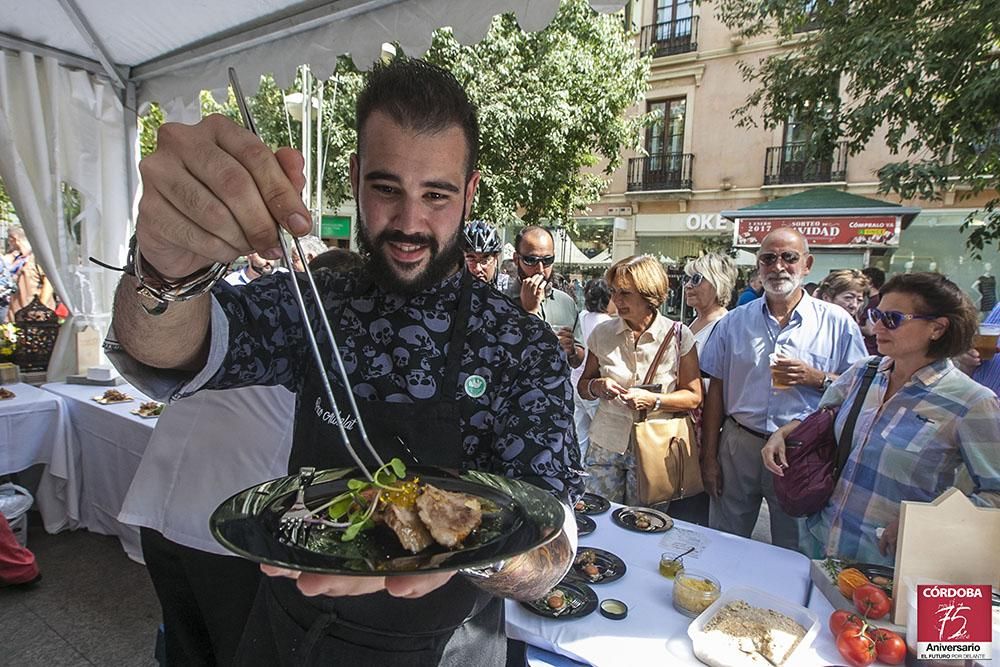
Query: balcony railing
{"x": 791, "y": 163}
{"x": 670, "y": 37}
{"x": 660, "y": 171}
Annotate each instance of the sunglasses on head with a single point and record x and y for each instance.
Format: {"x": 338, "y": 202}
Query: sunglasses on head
{"x": 693, "y": 280}
{"x": 892, "y": 319}
{"x": 531, "y": 260}
{"x": 771, "y": 258}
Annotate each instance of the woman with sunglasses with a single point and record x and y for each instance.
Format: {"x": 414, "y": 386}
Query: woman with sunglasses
{"x": 619, "y": 353}
{"x": 708, "y": 287}
{"x": 922, "y": 423}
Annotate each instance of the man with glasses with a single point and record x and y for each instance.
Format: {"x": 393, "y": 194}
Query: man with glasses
{"x": 812, "y": 342}
{"x": 534, "y": 255}
{"x": 482, "y": 246}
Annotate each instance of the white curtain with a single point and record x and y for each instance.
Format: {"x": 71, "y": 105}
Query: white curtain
{"x": 63, "y": 126}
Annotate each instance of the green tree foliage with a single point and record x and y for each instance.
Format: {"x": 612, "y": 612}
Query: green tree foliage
{"x": 6, "y": 205}
{"x": 924, "y": 72}
{"x": 552, "y": 104}
{"x": 277, "y": 128}
{"x": 149, "y": 124}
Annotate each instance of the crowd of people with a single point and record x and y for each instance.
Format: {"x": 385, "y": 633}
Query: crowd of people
{"x": 428, "y": 306}
{"x": 751, "y": 374}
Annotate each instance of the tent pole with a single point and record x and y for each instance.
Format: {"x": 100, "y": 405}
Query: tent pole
{"x": 83, "y": 27}
{"x": 130, "y": 117}
{"x": 19, "y": 44}
{"x": 319, "y": 157}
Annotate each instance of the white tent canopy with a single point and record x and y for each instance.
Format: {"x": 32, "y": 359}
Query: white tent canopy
{"x": 74, "y": 73}
{"x": 172, "y": 50}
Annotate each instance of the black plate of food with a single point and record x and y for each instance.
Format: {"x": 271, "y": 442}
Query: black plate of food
{"x": 591, "y": 503}
{"x": 597, "y": 566}
{"x": 584, "y": 524}
{"x": 569, "y": 599}
{"x": 642, "y": 519}
{"x": 880, "y": 575}
{"x": 515, "y": 517}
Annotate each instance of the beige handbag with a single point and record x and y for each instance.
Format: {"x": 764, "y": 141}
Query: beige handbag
{"x": 666, "y": 449}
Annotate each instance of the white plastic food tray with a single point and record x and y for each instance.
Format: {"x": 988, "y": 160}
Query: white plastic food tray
{"x": 757, "y": 598}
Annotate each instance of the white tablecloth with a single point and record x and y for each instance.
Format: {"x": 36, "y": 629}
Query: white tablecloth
{"x": 34, "y": 429}
{"x": 654, "y": 633}
{"x": 109, "y": 442}
{"x": 31, "y": 426}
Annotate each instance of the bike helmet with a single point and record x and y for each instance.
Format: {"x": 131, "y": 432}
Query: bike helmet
{"x": 481, "y": 236}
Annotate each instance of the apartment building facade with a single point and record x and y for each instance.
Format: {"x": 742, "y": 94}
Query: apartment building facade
{"x": 698, "y": 163}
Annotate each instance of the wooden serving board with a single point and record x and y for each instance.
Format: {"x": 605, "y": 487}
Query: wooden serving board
{"x": 947, "y": 540}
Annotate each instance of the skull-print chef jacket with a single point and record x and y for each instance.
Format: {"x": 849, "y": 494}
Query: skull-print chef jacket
{"x": 512, "y": 394}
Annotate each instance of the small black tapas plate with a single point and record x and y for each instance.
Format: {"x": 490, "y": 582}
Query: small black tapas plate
{"x": 579, "y": 600}
{"x": 584, "y": 524}
{"x": 608, "y": 566}
{"x": 642, "y": 519}
{"x": 591, "y": 503}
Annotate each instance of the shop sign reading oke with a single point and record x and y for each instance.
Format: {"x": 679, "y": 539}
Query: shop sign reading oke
{"x": 862, "y": 231}
{"x": 699, "y": 222}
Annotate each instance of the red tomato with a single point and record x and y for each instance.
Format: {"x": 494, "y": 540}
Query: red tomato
{"x": 871, "y": 601}
{"x": 889, "y": 647}
{"x": 842, "y": 619}
{"x": 856, "y": 647}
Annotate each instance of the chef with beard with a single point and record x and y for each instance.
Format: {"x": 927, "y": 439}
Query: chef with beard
{"x": 811, "y": 342}
{"x": 534, "y": 255}
{"x": 446, "y": 371}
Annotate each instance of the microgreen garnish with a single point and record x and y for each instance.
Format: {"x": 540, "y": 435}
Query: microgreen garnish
{"x": 352, "y": 510}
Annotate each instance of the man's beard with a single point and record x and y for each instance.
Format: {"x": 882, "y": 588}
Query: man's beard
{"x": 784, "y": 287}
{"x": 443, "y": 260}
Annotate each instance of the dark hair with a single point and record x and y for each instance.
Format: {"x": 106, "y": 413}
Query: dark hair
{"x": 337, "y": 260}
{"x": 875, "y": 275}
{"x": 941, "y": 298}
{"x": 530, "y": 229}
{"x": 597, "y": 295}
{"x": 422, "y": 97}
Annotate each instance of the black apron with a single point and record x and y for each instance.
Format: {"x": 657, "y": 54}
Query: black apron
{"x": 458, "y": 624}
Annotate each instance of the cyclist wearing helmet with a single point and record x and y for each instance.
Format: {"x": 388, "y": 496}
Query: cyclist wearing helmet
{"x": 482, "y": 253}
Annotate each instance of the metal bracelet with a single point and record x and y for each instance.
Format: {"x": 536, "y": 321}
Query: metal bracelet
{"x": 483, "y": 572}
{"x": 182, "y": 289}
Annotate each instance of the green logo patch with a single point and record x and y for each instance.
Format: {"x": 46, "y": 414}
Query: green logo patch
{"x": 475, "y": 386}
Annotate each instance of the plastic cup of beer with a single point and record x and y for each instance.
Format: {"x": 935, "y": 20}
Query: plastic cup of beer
{"x": 776, "y": 377}
{"x": 985, "y": 341}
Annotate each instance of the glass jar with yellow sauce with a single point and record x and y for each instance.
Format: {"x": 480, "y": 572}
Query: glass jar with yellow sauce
{"x": 670, "y": 566}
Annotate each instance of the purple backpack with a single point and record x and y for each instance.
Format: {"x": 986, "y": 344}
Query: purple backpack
{"x": 814, "y": 456}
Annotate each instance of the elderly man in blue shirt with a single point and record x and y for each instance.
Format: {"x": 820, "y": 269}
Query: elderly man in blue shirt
{"x": 812, "y": 341}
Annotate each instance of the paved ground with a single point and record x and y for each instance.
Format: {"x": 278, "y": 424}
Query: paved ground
{"x": 93, "y": 606}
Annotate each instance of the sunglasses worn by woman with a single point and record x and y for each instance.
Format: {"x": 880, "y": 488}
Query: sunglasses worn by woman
{"x": 893, "y": 319}
{"x": 693, "y": 280}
